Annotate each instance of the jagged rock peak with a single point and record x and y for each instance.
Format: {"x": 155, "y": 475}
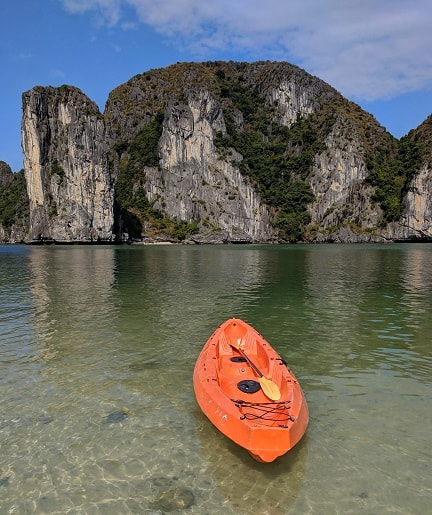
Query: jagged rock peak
{"x": 61, "y": 95}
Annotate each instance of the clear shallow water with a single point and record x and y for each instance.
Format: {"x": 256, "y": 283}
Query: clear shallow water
{"x": 97, "y": 348}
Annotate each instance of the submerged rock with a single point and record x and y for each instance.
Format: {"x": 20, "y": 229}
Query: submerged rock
{"x": 116, "y": 416}
{"x": 170, "y": 495}
{"x": 150, "y": 364}
{"x": 4, "y": 481}
{"x": 45, "y": 419}
{"x": 172, "y": 499}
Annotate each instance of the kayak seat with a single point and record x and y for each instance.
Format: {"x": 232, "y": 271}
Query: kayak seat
{"x": 228, "y": 367}
{"x": 238, "y": 359}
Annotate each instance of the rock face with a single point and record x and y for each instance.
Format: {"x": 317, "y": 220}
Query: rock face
{"x": 338, "y": 181}
{"x": 65, "y": 161}
{"x": 292, "y": 92}
{"x": 220, "y": 152}
{"x": 193, "y": 182}
{"x": 416, "y": 220}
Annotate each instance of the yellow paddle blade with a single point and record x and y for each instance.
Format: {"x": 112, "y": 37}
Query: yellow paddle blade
{"x": 269, "y": 388}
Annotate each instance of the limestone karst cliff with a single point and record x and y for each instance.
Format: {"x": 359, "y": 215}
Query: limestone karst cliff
{"x": 416, "y": 219}
{"x": 321, "y": 169}
{"x": 66, "y": 166}
{"x": 221, "y": 152}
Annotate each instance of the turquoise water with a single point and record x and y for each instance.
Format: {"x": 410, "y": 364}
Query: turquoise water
{"x": 97, "y": 349}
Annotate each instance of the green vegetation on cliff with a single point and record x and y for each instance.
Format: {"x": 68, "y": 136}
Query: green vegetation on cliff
{"x": 13, "y": 200}
{"x": 56, "y": 169}
{"x": 142, "y": 152}
{"x": 277, "y": 158}
{"x": 392, "y": 165}
{"x": 130, "y": 195}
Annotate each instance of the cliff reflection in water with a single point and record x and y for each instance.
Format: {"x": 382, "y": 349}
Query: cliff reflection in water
{"x": 130, "y": 300}
{"x": 172, "y": 298}
{"x": 363, "y": 300}
{"x": 364, "y": 355}
{"x": 72, "y": 293}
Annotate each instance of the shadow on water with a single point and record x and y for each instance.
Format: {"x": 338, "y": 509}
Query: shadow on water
{"x": 246, "y": 486}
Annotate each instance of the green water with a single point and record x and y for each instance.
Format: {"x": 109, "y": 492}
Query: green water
{"x": 97, "y": 349}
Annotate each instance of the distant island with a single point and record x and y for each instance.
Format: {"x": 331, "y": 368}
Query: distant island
{"x": 214, "y": 152}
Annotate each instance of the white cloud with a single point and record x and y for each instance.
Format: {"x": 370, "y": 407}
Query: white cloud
{"x": 108, "y": 10}
{"x": 367, "y": 49}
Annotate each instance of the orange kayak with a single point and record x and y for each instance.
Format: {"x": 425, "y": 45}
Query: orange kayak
{"x": 248, "y": 392}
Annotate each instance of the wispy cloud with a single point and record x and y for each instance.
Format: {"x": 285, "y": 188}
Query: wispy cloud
{"x": 117, "y": 48}
{"x": 56, "y": 73}
{"x": 367, "y": 49}
{"x": 129, "y": 25}
{"x": 24, "y": 56}
{"x": 108, "y": 10}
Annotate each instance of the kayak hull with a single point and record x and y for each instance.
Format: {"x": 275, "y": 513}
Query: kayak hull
{"x": 229, "y": 392}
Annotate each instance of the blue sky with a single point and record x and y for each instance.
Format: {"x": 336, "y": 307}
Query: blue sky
{"x": 377, "y": 53}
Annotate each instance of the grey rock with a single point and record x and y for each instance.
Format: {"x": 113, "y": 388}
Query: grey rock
{"x": 116, "y": 417}
{"x": 193, "y": 182}
{"x": 179, "y": 498}
{"x": 213, "y": 238}
{"x": 4, "y": 481}
{"x": 66, "y": 167}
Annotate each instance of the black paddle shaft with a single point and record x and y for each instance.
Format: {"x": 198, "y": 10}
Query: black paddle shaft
{"x": 250, "y": 362}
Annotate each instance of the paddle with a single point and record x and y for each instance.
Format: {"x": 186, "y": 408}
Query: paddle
{"x": 269, "y": 388}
